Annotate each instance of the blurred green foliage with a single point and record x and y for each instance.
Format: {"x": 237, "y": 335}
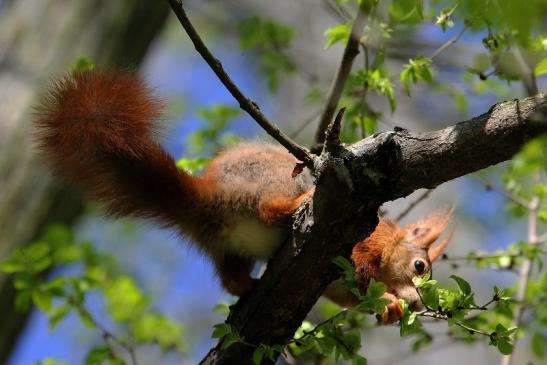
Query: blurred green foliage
{"x": 59, "y": 295}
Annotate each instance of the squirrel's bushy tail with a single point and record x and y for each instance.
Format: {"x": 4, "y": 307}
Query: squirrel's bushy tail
{"x": 97, "y": 129}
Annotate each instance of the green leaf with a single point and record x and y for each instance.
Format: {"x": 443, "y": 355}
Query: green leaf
{"x": 42, "y": 300}
{"x": 481, "y": 62}
{"x": 462, "y": 284}
{"x": 159, "y": 329}
{"x": 258, "y": 355}
{"x": 193, "y": 165}
{"x": 373, "y": 300}
{"x": 86, "y": 319}
{"x": 343, "y": 263}
{"x": 409, "y": 323}
{"x": 376, "y": 289}
{"x": 124, "y": 299}
{"x": 271, "y": 40}
{"x": 56, "y": 286}
{"x": 406, "y": 11}
{"x": 25, "y": 280}
{"x": 423, "y": 340}
{"x": 221, "y": 329}
{"x": 337, "y": 34}
{"x": 418, "y": 69}
{"x": 538, "y": 344}
{"x": 23, "y": 300}
{"x": 358, "y": 360}
{"x": 421, "y": 281}
{"x": 50, "y": 361}
{"x": 222, "y": 307}
{"x": 229, "y": 340}
{"x": 57, "y": 314}
{"x": 98, "y": 355}
{"x": 541, "y": 67}
{"x": 352, "y": 341}
{"x": 505, "y": 346}
{"x": 444, "y": 19}
{"x": 81, "y": 64}
{"x": 258, "y": 32}
{"x": 212, "y": 136}
{"x": 11, "y": 266}
{"x": 371, "y": 125}
{"x": 500, "y": 294}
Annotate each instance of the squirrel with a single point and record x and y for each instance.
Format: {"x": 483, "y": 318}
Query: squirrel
{"x": 98, "y": 129}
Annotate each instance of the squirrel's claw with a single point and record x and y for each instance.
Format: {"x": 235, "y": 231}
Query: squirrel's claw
{"x": 393, "y": 311}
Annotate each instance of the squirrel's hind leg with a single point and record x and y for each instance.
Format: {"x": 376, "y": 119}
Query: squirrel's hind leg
{"x": 278, "y": 210}
{"x": 235, "y": 273}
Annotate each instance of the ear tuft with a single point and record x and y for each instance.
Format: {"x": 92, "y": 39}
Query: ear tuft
{"x": 426, "y": 231}
{"x": 434, "y": 252}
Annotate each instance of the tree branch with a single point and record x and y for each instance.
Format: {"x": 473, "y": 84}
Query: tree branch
{"x": 413, "y": 205}
{"x": 350, "y": 52}
{"x": 245, "y": 103}
{"x": 365, "y": 175}
{"x": 425, "y": 160}
{"x": 525, "y": 274}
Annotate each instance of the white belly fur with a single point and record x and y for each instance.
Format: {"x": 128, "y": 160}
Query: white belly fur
{"x": 252, "y": 238}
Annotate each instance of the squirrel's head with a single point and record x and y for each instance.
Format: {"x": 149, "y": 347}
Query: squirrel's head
{"x": 394, "y": 255}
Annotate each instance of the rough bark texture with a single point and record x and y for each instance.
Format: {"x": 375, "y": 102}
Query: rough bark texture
{"x": 352, "y": 183}
{"x": 38, "y": 40}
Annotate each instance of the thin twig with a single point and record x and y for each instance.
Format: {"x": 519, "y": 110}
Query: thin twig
{"x": 508, "y": 194}
{"x": 440, "y": 314}
{"x": 459, "y": 324}
{"x": 303, "y": 126}
{"x": 105, "y": 333}
{"x": 484, "y": 256}
{"x": 524, "y": 274}
{"x": 413, "y": 205}
{"x": 332, "y": 136}
{"x": 350, "y": 52}
{"x": 338, "y": 9}
{"x": 364, "y": 106}
{"x": 245, "y": 103}
{"x": 315, "y": 329}
{"x": 449, "y": 43}
{"x": 528, "y": 77}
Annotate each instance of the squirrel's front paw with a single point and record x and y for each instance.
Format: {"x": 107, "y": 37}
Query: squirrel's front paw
{"x": 393, "y": 311}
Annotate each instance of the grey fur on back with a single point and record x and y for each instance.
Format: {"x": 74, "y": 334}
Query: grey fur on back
{"x": 252, "y": 172}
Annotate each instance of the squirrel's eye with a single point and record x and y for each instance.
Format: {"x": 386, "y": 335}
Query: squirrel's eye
{"x": 419, "y": 265}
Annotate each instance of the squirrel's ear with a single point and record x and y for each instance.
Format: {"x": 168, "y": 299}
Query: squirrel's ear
{"x": 426, "y": 231}
{"x": 434, "y": 252}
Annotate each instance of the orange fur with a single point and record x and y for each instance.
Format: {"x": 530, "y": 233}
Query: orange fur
{"x": 389, "y": 253}
{"x": 98, "y": 129}
{"x": 279, "y": 209}
{"x": 367, "y": 255}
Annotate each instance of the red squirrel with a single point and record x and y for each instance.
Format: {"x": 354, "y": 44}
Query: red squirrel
{"x": 97, "y": 129}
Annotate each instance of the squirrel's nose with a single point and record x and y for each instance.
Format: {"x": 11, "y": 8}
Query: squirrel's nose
{"x": 416, "y": 305}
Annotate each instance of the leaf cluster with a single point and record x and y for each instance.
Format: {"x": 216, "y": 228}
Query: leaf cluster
{"x": 38, "y": 281}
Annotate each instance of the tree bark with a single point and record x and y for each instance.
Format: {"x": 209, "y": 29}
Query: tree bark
{"x": 352, "y": 183}
{"x": 39, "y": 39}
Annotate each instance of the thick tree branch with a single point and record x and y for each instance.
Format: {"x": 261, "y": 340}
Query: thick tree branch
{"x": 426, "y": 160}
{"x": 245, "y": 103}
{"x": 363, "y": 176}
